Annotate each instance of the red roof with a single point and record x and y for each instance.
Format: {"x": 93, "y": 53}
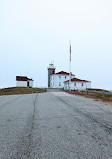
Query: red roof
{"x": 23, "y": 78}
{"x": 77, "y": 80}
{"x": 63, "y": 73}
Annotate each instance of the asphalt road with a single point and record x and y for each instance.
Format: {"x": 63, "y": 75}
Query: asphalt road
{"x": 54, "y": 125}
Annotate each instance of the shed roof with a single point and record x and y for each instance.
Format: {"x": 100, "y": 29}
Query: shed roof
{"x": 23, "y": 78}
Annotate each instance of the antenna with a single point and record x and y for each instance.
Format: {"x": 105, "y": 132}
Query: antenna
{"x": 70, "y": 68}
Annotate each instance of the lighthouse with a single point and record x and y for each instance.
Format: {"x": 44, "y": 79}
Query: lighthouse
{"x": 51, "y": 70}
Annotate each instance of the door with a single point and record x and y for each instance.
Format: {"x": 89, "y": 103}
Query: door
{"x": 27, "y": 83}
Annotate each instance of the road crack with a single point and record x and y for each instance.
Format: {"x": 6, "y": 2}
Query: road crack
{"x": 30, "y": 136}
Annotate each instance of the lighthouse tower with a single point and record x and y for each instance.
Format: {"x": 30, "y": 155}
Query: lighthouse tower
{"x": 51, "y": 70}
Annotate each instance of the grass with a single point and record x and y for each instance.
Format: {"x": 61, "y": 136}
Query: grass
{"x": 20, "y": 90}
{"x": 103, "y": 97}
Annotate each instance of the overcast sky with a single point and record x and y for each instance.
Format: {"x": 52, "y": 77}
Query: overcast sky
{"x": 35, "y": 32}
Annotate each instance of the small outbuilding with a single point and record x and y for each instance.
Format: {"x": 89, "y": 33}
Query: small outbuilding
{"x": 23, "y": 81}
{"x": 77, "y": 84}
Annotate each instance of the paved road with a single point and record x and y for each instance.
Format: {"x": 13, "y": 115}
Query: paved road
{"x": 54, "y": 125}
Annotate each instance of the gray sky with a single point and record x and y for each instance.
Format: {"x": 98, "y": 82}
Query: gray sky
{"x": 35, "y": 32}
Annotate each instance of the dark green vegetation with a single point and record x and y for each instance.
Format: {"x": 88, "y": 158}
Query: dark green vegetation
{"x": 20, "y": 90}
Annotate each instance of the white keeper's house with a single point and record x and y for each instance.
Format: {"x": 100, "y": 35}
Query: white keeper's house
{"x": 23, "y": 81}
{"x": 62, "y": 80}
{"x": 57, "y": 79}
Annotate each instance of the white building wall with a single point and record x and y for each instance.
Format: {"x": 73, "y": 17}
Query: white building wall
{"x": 21, "y": 83}
{"x": 24, "y": 83}
{"x": 88, "y": 84}
{"x": 77, "y": 85}
{"x": 30, "y": 83}
{"x": 57, "y": 81}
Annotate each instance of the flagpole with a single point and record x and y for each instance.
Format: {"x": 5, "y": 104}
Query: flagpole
{"x": 70, "y": 69}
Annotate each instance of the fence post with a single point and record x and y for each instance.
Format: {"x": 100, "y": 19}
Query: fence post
{"x": 103, "y": 94}
{"x": 87, "y": 91}
{"x": 94, "y": 92}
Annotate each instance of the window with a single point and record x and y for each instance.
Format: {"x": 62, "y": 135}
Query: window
{"x": 59, "y": 77}
{"x": 82, "y": 84}
{"x": 59, "y": 83}
{"x": 65, "y": 77}
{"x": 74, "y": 84}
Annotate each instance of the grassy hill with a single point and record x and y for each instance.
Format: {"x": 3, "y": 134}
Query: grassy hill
{"x": 20, "y": 90}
